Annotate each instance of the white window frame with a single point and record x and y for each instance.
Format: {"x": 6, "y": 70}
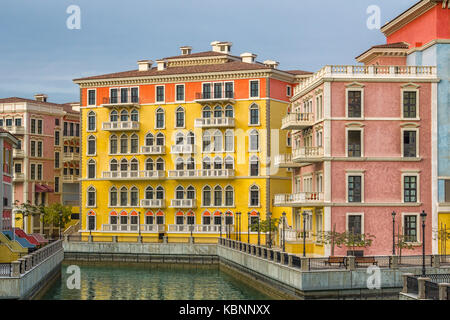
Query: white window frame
{"x": 289, "y": 91}
{"x": 411, "y": 174}
{"x": 249, "y": 196}
{"x": 156, "y": 94}
{"x": 354, "y": 88}
{"x": 351, "y": 128}
{"x": 87, "y": 146}
{"x": 348, "y": 214}
{"x": 87, "y": 168}
{"x": 415, "y": 89}
{"x": 184, "y": 118}
{"x": 156, "y": 118}
{"x": 249, "y": 115}
{"x": 184, "y": 92}
{"x": 249, "y": 141}
{"x": 87, "y": 197}
{"x": 354, "y": 173}
{"x": 87, "y": 97}
{"x": 418, "y": 226}
{"x": 250, "y": 88}
{"x": 417, "y": 142}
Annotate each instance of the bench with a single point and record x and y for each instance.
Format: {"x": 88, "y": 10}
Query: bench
{"x": 366, "y": 260}
{"x": 340, "y": 260}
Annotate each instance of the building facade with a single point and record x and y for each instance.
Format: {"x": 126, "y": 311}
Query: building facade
{"x": 41, "y": 161}
{"x": 184, "y": 145}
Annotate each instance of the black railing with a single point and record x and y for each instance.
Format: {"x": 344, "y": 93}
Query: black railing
{"x": 296, "y": 262}
{"x": 412, "y": 284}
{"x": 5, "y": 269}
{"x": 431, "y": 290}
{"x": 439, "y": 278}
{"x": 278, "y": 255}
{"x": 286, "y": 258}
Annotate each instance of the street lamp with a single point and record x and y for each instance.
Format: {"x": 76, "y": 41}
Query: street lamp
{"x": 248, "y": 227}
{"x": 284, "y": 236}
{"x": 139, "y": 224}
{"x": 304, "y": 214}
{"x": 238, "y": 217}
{"x": 220, "y": 213}
{"x": 269, "y": 215}
{"x": 423, "y": 215}
{"x": 60, "y": 222}
{"x": 259, "y": 224}
{"x": 393, "y": 233}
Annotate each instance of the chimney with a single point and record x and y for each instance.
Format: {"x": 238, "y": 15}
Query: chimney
{"x": 221, "y": 46}
{"x": 248, "y": 57}
{"x": 186, "y": 50}
{"x": 145, "y": 65}
{"x": 271, "y": 64}
{"x": 41, "y": 97}
{"x": 161, "y": 64}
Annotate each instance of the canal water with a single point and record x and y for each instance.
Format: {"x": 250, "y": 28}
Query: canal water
{"x": 113, "y": 281}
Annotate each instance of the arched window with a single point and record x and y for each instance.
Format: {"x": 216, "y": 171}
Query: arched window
{"x": 91, "y": 220}
{"x": 254, "y": 114}
{"x": 149, "y": 193}
{"x": 179, "y": 138}
{"x": 134, "y": 196}
{"x": 91, "y": 169}
{"x": 229, "y": 162}
{"x": 218, "y": 196}
{"x": 160, "y": 193}
{"x": 149, "y": 164}
{"x": 254, "y": 196}
{"x": 113, "y": 215}
{"x": 160, "y": 139}
{"x": 253, "y": 141}
{"x": 254, "y": 166}
{"x": 113, "y": 197}
{"x": 123, "y": 165}
{"x": 179, "y": 193}
{"x": 218, "y": 112}
{"x": 134, "y": 115}
{"x": 149, "y": 139}
{"x": 124, "y": 115}
{"x": 206, "y": 163}
{"x": 124, "y": 218}
{"x": 218, "y": 143}
{"x": 206, "y": 113}
{"x": 92, "y": 146}
{"x": 134, "y": 143}
{"x": 134, "y": 165}
{"x": 179, "y": 164}
{"x": 159, "y": 118}
{"x": 113, "y": 165}
{"x": 190, "y": 137}
{"x": 206, "y": 192}
{"x": 113, "y": 116}
{"x": 92, "y": 121}
{"x": 229, "y": 196}
{"x": 190, "y": 164}
{"x": 206, "y": 141}
{"x": 179, "y": 114}
{"x": 113, "y": 144}
{"x": 229, "y": 140}
{"x": 206, "y": 218}
{"x": 91, "y": 197}
{"x": 123, "y": 197}
{"x": 190, "y": 192}
{"x": 288, "y": 140}
{"x": 229, "y": 112}
{"x": 217, "y": 163}
{"x": 160, "y": 164}
{"x": 123, "y": 143}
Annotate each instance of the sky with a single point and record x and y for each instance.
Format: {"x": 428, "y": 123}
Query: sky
{"x": 40, "y": 54}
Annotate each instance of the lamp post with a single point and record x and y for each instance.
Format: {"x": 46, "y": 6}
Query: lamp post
{"x": 304, "y": 233}
{"x": 248, "y": 228}
{"x": 423, "y": 215}
{"x": 238, "y": 216}
{"x": 227, "y": 227}
{"x": 284, "y": 236}
{"x": 60, "y": 222}
{"x": 220, "y": 213}
{"x": 270, "y": 227}
{"x": 139, "y": 224}
{"x": 393, "y": 233}
{"x": 259, "y": 234}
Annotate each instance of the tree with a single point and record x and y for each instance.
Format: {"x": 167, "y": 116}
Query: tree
{"x": 57, "y": 215}
{"x": 26, "y": 209}
{"x": 264, "y": 227}
{"x": 348, "y": 239}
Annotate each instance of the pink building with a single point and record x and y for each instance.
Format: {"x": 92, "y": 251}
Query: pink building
{"x": 361, "y": 149}
{"x": 46, "y": 161}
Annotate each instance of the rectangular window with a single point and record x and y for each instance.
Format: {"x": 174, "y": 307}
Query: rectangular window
{"x": 229, "y": 90}
{"x": 71, "y": 129}
{"x": 56, "y": 122}
{"x": 39, "y": 149}
{"x": 56, "y": 184}
{"x": 1, "y": 122}
{"x": 91, "y": 97}
{"x": 39, "y": 126}
{"x": 123, "y": 95}
{"x": 33, "y": 148}
{"x": 77, "y": 130}
{"x": 114, "y": 94}
{"x": 33, "y": 171}
{"x": 180, "y": 92}
{"x": 354, "y": 224}
{"x": 254, "y": 88}
{"x": 354, "y": 143}
{"x": 218, "y": 90}
{"x": 135, "y": 95}
{"x": 9, "y": 122}
{"x": 354, "y": 104}
{"x": 409, "y": 104}
{"x": 409, "y": 144}
{"x": 447, "y": 191}
{"x": 288, "y": 91}
{"x": 18, "y": 122}
{"x": 56, "y": 138}
{"x": 18, "y": 168}
{"x": 65, "y": 130}
{"x": 39, "y": 171}
{"x": 354, "y": 189}
{"x": 410, "y": 188}
{"x": 33, "y": 126}
{"x": 410, "y": 227}
{"x": 57, "y": 160}
{"x": 206, "y": 94}
{"x": 159, "y": 93}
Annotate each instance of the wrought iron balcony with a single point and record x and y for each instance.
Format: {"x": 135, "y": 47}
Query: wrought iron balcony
{"x": 201, "y": 174}
{"x": 130, "y": 175}
{"x": 222, "y": 122}
{"x": 297, "y": 121}
{"x": 153, "y": 149}
{"x": 153, "y": 203}
{"x": 308, "y": 154}
{"x": 299, "y": 199}
{"x": 121, "y": 126}
{"x": 183, "y": 203}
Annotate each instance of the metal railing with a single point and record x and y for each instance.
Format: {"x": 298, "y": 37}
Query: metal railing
{"x": 5, "y": 269}
{"x": 413, "y": 285}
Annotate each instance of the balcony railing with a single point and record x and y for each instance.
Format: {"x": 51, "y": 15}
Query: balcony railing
{"x": 285, "y": 161}
{"x": 295, "y": 235}
{"x": 223, "y": 122}
{"x": 192, "y": 174}
{"x": 69, "y": 156}
{"x": 121, "y": 126}
{"x": 122, "y": 101}
{"x": 198, "y": 228}
{"x": 307, "y": 154}
{"x": 299, "y": 199}
{"x": 153, "y": 149}
{"x": 70, "y": 178}
{"x": 72, "y": 203}
{"x": 153, "y": 203}
{"x": 182, "y": 148}
{"x": 151, "y": 228}
{"x": 214, "y": 96}
{"x": 157, "y": 228}
{"x": 124, "y": 175}
{"x": 297, "y": 121}
{"x": 18, "y": 153}
{"x": 183, "y": 203}
{"x": 16, "y": 129}
{"x": 18, "y": 176}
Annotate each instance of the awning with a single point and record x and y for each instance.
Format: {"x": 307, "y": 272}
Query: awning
{"x": 42, "y": 188}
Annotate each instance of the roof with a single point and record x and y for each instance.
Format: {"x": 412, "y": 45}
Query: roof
{"x": 299, "y": 72}
{"x": 9, "y": 135}
{"x": 396, "y": 45}
{"x": 197, "y": 55}
{"x": 65, "y": 106}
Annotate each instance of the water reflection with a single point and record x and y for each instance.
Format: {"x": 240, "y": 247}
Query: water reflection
{"x": 114, "y": 281}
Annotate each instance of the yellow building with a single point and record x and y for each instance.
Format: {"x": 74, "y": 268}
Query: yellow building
{"x": 184, "y": 146}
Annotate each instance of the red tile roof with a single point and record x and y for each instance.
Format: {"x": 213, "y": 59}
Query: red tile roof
{"x": 299, "y": 72}
{"x": 65, "y": 106}
{"x": 197, "y": 55}
{"x": 396, "y": 45}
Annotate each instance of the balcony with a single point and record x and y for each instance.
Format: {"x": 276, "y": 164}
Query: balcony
{"x": 308, "y": 154}
{"x": 153, "y": 228}
{"x": 285, "y": 161}
{"x": 18, "y": 177}
{"x": 153, "y": 203}
{"x": 182, "y": 148}
{"x": 299, "y": 199}
{"x": 224, "y": 122}
{"x": 125, "y": 101}
{"x": 121, "y": 126}
{"x": 297, "y": 235}
{"x": 198, "y": 228}
{"x": 201, "y": 174}
{"x": 72, "y": 203}
{"x": 150, "y": 228}
{"x": 16, "y": 129}
{"x": 153, "y": 150}
{"x": 68, "y": 156}
{"x": 213, "y": 97}
{"x": 297, "y": 121}
{"x": 128, "y": 175}
{"x": 70, "y": 179}
{"x": 18, "y": 153}
{"x": 183, "y": 203}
